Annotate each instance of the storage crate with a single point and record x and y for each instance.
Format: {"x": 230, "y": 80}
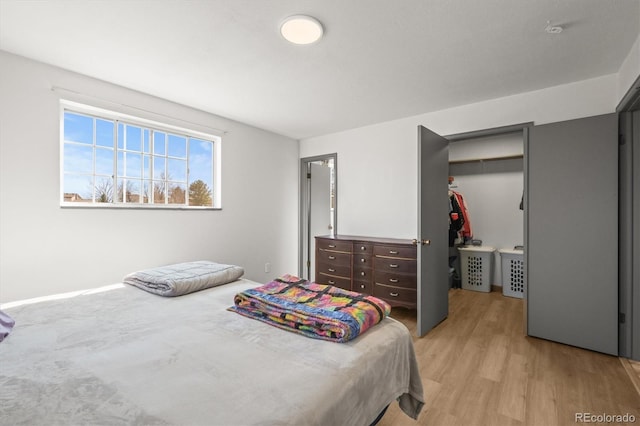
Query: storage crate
{"x": 512, "y": 272}
{"x": 476, "y": 266}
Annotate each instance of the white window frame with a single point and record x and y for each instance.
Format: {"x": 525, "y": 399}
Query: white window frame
{"x": 118, "y": 117}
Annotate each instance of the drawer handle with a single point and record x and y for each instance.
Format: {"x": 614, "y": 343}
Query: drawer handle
{"x": 363, "y": 273}
{"x": 332, "y": 246}
{"x": 363, "y": 248}
{"x": 362, "y": 285}
{"x": 393, "y": 252}
{"x": 393, "y": 280}
{"x": 393, "y": 265}
{"x": 331, "y": 270}
{"x": 393, "y": 294}
{"x": 332, "y": 258}
{"x": 363, "y": 260}
{"x": 332, "y": 282}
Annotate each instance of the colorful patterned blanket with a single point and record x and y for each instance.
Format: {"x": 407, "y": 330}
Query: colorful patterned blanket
{"x": 314, "y": 310}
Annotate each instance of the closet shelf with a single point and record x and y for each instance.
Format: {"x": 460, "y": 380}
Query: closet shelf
{"x": 481, "y": 160}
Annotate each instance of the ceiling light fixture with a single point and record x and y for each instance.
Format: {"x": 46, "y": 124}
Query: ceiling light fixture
{"x": 553, "y": 29}
{"x": 301, "y": 29}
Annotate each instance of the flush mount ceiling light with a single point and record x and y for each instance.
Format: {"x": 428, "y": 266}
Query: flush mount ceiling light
{"x": 301, "y": 29}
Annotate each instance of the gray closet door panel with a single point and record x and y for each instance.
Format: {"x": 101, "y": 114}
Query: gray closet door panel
{"x": 626, "y": 238}
{"x": 635, "y": 320}
{"x": 573, "y": 233}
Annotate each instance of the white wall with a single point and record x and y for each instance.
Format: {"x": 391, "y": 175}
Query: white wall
{"x": 45, "y": 249}
{"x": 377, "y": 190}
{"x": 630, "y": 69}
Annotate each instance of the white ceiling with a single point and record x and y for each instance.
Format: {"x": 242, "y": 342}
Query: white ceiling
{"x": 379, "y": 59}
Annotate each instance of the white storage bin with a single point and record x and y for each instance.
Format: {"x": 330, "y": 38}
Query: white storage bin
{"x": 512, "y": 272}
{"x": 476, "y": 265}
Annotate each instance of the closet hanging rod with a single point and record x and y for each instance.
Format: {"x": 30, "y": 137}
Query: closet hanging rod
{"x": 59, "y": 89}
{"x": 482, "y": 160}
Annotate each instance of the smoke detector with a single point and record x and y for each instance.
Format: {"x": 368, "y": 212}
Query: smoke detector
{"x": 553, "y": 29}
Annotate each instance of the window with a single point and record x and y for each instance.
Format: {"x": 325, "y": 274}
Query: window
{"x": 111, "y": 159}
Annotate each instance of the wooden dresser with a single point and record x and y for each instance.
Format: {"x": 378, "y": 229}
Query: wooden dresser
{"x": 383, "y": 267}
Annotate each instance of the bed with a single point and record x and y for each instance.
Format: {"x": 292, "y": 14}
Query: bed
{"x": 119, "y": 355}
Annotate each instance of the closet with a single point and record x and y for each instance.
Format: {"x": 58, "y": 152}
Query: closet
{"x": 487, "y": 169}
{"x": 567, "y": 180}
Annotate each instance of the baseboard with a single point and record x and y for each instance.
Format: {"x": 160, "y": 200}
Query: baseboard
{"x": 496, "y": 288}
{"x": 634, "y": 373}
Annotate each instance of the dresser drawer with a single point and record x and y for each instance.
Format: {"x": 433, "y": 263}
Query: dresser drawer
{"x": 333, "y": 245}
{"x": 362, "y": 248}
{"x": 333, "y": 269}
{"x": 396, "y": 280}
{"x": 364, "y": 260}
{"x": 385, "y": 264}
{"x": 333, "y": 258}
{"x": 406, "y": 252}
{"x": 394, "y": 294}
{"x": 364, "y": 274}
{"x": 362, "y": 286}
{"x": 344, "y": 283}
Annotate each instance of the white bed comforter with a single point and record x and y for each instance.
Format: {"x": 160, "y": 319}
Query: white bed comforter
{"x": 125, "y": 356}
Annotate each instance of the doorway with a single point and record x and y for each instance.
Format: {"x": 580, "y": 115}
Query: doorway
{"x": 318, "y": 207}
{"x": 434, "y": 167}
{"x": 489, "y": 168}
{"x": 488, "y": 172}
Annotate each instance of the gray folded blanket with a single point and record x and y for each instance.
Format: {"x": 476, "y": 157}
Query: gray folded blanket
{"x": 6, "y": 325}
{"x": 183, "y": 278}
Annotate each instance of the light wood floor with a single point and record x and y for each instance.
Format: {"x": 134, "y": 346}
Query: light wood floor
{"x": 478, "y": 368}
{"x": 633, "y": 370}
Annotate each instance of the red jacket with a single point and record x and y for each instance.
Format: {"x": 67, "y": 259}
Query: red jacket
{"x": 467, "y": 233}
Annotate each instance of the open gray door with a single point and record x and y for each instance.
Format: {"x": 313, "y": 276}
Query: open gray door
{"x": 572, "y": 233}
{"x": 433, "y": 225}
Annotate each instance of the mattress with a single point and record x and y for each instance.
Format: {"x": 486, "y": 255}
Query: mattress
{"x": 120, "y": 355}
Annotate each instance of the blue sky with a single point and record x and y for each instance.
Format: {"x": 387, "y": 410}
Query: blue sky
{"x": 140, "y": 154}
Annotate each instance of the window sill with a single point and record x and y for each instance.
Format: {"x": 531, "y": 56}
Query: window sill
{"x": 107, "y": 206}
